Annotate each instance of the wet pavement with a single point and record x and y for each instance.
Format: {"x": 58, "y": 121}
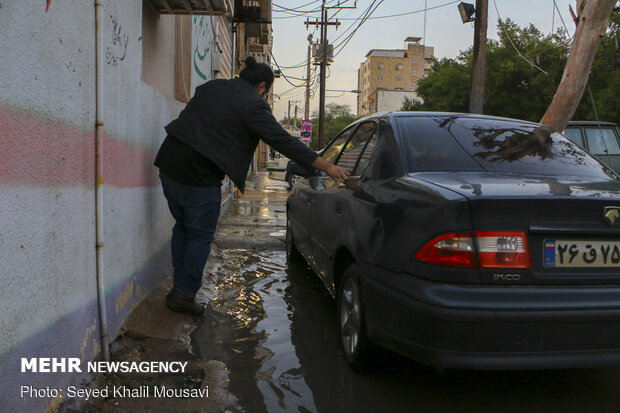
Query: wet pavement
{"x": 268, "y": 343}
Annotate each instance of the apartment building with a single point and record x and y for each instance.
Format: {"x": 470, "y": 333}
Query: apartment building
{"x": 386, "y": 77}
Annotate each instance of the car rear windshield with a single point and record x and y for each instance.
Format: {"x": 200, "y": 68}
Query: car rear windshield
{"x": 494, "y": 145}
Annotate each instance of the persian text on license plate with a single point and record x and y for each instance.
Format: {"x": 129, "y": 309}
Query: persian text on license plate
{"x": 567, "y": 253}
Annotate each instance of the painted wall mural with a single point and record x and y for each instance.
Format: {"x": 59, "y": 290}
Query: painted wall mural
{"x": 202, "y": 36}
{"x": 118, "y": 51}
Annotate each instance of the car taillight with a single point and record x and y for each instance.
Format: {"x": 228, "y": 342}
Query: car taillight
{"x": 494, "y": 250}
{"x": 450, "y": 250}
{"x": 503, "y": 250}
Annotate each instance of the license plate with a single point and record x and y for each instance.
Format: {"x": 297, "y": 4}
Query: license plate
{"x": 572, "y": 253}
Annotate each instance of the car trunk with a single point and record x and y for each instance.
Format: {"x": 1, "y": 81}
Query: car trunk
{"x": 563, "y": 218}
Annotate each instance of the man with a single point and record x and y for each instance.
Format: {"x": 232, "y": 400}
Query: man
{"x": 216, "y": 135}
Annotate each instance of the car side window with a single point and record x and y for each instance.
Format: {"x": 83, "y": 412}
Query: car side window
{"x": 364, "y": 161}
{"x": 354, "y": 148}
{"x": 331, "y": 152}
{"x": 602, "y": 141}
{"x": 574, "y": 134}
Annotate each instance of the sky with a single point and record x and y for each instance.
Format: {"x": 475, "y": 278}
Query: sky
{"x": 444, "y": 31}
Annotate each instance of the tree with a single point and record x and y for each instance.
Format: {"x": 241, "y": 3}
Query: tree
{"x": 513, "y": 87}
{"x": 337, "y": 117}
{"x": 591, "y": 24}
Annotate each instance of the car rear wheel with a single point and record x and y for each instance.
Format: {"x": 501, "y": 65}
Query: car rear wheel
{"x": 351, "y": 324}
{"x": 292, "y": 253}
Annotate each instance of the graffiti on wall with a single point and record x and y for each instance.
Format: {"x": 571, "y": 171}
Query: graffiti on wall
{"x": 118, "y": 51}
{"x": 200, "y": 28}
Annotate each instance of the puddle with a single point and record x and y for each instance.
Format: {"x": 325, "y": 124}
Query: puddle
{"x": 274, "y": 328}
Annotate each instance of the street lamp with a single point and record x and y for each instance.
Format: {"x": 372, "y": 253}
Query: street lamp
{"x": 346, "y": 91}
{"x": 466, "y": 10}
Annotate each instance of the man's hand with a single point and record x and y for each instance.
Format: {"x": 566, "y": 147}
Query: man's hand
{"x": 337, "y": 173}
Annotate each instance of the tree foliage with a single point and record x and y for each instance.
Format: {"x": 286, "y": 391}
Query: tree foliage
{"x": 337, "y": 117}
{"x": 515, "y": 88}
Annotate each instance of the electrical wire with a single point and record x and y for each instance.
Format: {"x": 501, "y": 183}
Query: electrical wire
{"x": 410, "y": 12}
{"x": 501, "y": 23}
{"x": 344, "y": 43}
{"x": 298, "y": 7}
{"x": 282, "y": 73}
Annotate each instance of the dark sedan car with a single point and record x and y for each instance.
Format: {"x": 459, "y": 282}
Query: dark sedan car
{"x": 465, "y": 241}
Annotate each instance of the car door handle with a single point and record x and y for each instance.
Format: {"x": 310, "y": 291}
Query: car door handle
{"x": 339, "y": 207}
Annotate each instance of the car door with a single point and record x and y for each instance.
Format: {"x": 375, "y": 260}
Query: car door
{"x": 302, "y": 198}
{"x": 332, "y": 214}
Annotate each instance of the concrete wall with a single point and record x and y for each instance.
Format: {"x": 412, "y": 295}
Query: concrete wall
{"x": 48, "y": 297}
{"x": 389, "y": 100}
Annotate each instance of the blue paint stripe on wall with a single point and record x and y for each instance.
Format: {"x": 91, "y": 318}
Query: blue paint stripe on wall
{"x": 65, "y": 338}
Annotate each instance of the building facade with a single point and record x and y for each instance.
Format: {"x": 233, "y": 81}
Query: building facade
{"x": 86, "y": 90}
{"x": 392, "y": 70}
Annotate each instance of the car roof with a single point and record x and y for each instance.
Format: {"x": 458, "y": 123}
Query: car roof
{"x": 402, "y": 114}
{"x": 589, "y": 123}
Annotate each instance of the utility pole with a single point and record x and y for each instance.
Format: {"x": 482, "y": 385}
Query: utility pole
{"x": 307, "y": 107}
{"x": 288, "y": 114}
{"x": 295, "y": 116}
{"x": 476, "y": 98}
{"x": 323, "y": 72}
{"x": 323, "y": 48}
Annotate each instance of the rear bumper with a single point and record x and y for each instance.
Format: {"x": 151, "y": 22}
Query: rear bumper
{"x": 492, "y": 327}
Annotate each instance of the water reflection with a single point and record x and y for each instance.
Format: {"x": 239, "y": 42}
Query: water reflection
{"x": 275, "y": 330}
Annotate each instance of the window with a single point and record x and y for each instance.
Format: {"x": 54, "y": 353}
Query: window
{"x": 415, "y": 59}
{"x": 380, "y": 77}
{"x": 362, "y": 165}
{"x": 574, "y": 134}
{"x": 381, "y": 65}
{"x": 166, "y": 58}
{"x": 414, "y": 85}
{"x": 602, "y": 141}
{"x": 354, "y": 148}
{"x": 414, "y": 71}
{"x": 462, "y": 144}
{"x": 399, "y": 78}
{"x": 333, "y": 149}
{"x": 399, "y": 66}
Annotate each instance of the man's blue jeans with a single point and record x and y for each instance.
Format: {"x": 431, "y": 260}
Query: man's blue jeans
{"x": 196, "y": 211}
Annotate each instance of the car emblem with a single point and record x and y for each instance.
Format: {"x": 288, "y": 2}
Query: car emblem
{"x": 611, "y": 215}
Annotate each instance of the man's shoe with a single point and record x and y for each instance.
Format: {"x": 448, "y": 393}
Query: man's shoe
{"x": 180, "y": 303}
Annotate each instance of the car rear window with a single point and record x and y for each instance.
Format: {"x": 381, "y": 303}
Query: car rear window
{"x": 494, "y": 145}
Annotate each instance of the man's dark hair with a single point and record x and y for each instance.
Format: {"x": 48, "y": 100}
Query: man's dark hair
{"x": 257, "y": 72}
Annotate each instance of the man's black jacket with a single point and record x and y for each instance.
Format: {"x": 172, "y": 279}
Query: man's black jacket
{"x": 224, "y": 121}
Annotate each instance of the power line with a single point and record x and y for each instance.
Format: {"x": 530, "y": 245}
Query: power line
{"x": 283, "y": 75}
{"x": 510, "y": 39}
{"x": 348, "y": 39}
{"x": 410, "y": 12}
{"x": 296, "y": 8}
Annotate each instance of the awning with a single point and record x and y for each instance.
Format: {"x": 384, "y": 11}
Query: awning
{"x": 194, "y": 7}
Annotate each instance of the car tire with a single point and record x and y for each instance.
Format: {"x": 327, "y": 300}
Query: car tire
{"x": 356, "y": 347}
{"x": 292, "y": 253}
{"x": 290, "y": 180}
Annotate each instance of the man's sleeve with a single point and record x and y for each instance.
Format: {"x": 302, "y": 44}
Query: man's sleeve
{"x": 261, "y": 122}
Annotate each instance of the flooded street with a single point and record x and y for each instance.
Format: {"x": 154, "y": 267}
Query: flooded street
{"x": 274, "y": 328}
{"x": 268, "y": 343}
